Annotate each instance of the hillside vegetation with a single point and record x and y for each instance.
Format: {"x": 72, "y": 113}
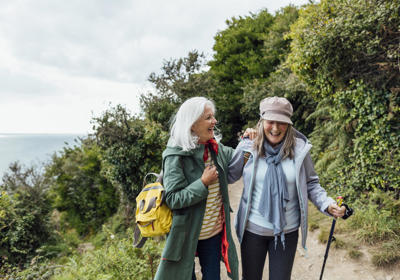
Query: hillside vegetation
{"x": 338, "y": 62}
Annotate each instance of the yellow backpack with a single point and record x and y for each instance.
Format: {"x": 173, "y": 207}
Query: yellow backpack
{"x": 153, "y": 217}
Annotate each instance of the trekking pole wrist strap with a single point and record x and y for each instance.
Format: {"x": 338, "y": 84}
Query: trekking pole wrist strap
{"x": 348, "y": 213}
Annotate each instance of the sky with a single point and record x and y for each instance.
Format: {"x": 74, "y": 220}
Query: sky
{"x": 64, "y": 62}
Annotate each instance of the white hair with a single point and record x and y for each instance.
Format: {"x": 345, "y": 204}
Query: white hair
{"x": 189, "y": 112}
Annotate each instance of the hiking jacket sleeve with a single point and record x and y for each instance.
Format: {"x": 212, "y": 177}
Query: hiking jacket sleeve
{"x": 179, "y": 192}
{"x": 228, "y": 151}
{"x": 236, "y": 164}
{"x": 316, "y": 193}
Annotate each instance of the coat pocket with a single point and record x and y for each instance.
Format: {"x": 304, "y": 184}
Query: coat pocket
{"x": 176, "y": 238}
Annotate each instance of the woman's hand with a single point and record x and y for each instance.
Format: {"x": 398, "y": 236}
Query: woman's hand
{"x": 336, "y": 211}
{"x": 210, "y": 175}
{"x": 250, "y": 132}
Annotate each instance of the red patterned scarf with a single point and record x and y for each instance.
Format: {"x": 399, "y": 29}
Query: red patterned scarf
{"x": 212, "y": 145}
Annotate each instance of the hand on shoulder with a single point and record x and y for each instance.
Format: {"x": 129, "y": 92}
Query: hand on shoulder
{"x": 250, "y": 133}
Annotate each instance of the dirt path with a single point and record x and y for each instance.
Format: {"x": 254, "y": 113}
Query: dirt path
{"x": 308, "y": 267}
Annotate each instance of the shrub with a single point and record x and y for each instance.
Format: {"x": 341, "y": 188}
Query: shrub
{"x": 388, "y": 255}
{"x": 377, "y": 219}
{"x": 347, "y": 54}
{"x": 81, "y": 192}
{"x": 355, "y": 254}
{"x": 25, "y": 210}
{"x": 116, "y": 260}
{"x": 131, "y": 147}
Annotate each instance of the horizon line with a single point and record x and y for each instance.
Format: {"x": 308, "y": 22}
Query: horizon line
{"x": 69, "y": 133}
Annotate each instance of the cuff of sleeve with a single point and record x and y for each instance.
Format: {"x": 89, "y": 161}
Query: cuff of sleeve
{"x": 325, "y": 207}
{"x": 205, "y": 187}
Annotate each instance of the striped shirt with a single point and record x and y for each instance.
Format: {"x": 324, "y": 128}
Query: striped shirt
{"x": 212, "y": 221}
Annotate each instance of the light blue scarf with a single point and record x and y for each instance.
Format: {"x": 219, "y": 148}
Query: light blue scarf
{"x": 275, "y": 193}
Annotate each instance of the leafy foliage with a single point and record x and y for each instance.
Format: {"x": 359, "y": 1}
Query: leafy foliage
{"x": 276, "y": 42}
{"x": 80, "y": 191}
{"x": 179, "y": 80}
{"x": 285, "y": 84}
{"x": 238, "y": 59}
{"x": 25, "y": 210}
{"x": 335, "y": 42}
{"x": 131, "y": 148}
{"x": 374, "y": 157}
{"x": 118, "y": 259}
{"x": 246, "y": 53}
{"x": 378, "y": 219}
{"x": 239, "y": 49}
{"x": 348, "y": 55}
{"x": 338, "y": 64}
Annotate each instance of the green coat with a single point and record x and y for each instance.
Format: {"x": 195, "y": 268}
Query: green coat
{"x": 186, "y": 195}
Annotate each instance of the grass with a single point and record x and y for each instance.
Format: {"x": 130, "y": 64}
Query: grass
{"x": 386, "y": 258}
{"x": 336, "y": 242}
{"x": 388, "y": 254}
{"x": 355, "y": 254}
{"x": 117, "y": 259}
{"x": 313, "y": 226}
{"x": 375, "y": 224}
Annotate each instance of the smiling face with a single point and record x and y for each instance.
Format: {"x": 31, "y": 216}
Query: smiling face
{"x": 204, "y": 126}
{"x": 275, "y": 131}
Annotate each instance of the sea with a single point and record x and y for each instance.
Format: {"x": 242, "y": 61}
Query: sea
{"x": 32, "y": 149}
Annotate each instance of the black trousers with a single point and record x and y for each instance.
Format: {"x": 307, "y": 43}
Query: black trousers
{"x": 254, "y": 249}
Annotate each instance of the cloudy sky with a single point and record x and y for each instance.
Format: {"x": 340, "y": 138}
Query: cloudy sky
{"x": 63, "y": 62}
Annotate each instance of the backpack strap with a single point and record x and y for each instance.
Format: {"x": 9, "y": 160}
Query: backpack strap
{"x": 246, "y": 156}
{"x": 136, "y": 236}
{"x": 150, "y": 173}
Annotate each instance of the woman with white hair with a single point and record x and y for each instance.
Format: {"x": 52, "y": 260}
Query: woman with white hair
{"x": 195, "y": 178}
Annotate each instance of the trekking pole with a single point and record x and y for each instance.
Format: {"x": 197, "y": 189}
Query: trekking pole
{"x": 339, "y": 201}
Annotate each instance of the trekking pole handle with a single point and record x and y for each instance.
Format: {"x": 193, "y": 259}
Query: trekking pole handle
{"x": 339, "y": 200}
{"x": 349, "y": 211}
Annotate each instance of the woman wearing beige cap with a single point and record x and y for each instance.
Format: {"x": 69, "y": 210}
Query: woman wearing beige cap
{"x": 279, "y": 178}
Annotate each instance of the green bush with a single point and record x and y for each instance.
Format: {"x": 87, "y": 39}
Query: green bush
{"x": 81, "y": 192}
{"x": 246, "y": 52}
{"x": 25, "y": 210}
{"x": 358, "y": 149}
{"x": 131, "y": 147}
{"x": 179, "y": 80}
{"x": 355, "y": 254}
{"x": 116, "y": 260}
{"x": 347, "y": 54}
{"x": 282, "y": 83}
{"x": 388, "y": 255}
{"x": 116, "y": 225}
{"x": 334, "y": 42}
{"x": 377, "y": 218}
